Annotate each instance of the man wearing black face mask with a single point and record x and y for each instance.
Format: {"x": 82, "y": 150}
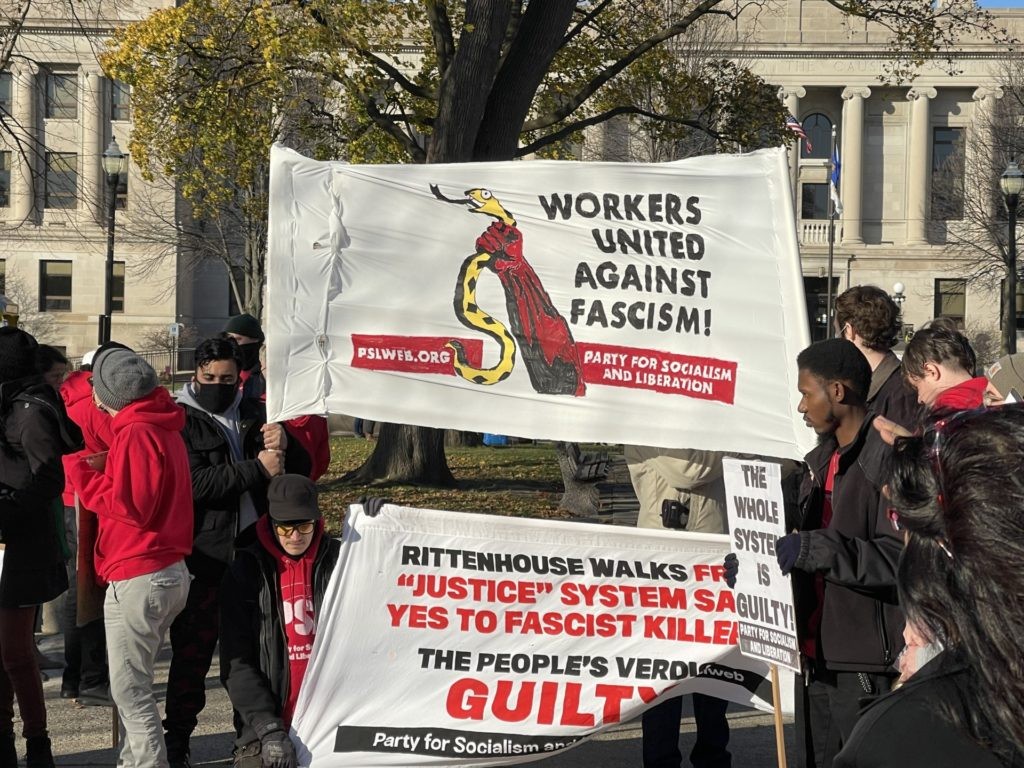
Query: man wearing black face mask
{"x": 232, "y": 453}
{"x": 245, "y": 330}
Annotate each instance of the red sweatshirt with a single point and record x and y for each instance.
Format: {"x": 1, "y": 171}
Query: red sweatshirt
{"x": 143, "y": 497}
{"x": 295, "y": 577}
{"x": 94, "y": 423}
{"x": 964, "y": 396}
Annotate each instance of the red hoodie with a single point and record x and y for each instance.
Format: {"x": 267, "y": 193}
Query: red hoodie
{"x": 143, "y": 496}
{"x": 94, "y": 423}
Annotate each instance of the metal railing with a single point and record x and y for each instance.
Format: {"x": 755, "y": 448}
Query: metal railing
{"x": 168, "y": 364}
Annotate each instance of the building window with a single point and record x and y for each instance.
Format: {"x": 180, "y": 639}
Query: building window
{"x": 62, "y": 96}
{"x": 238, "y": 273}
{"x": 6, "y": 101}
{"x": 947, "y": 174}
{"x": 814, "y": 201}
{"x": 819, "y": 135}
{"x": 951, "y": 299}
{"x": 117, "y": 288}
{"x": 61, "y": 180}
{"x": 54, "y": 286}
{"x": 120, "y": 105}
{"x": 816, "y": 293}
{"x": 5, "y": 179}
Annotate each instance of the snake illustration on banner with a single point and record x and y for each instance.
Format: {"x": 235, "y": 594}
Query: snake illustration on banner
{"x": 539, "y": 332}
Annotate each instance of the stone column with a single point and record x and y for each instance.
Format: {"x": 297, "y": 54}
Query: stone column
{"x": 92, "y": 187}
{"x": 918, "y": 165}
{"x": 791, "y": 96}
{"x": 851, "y": 162}
{"x": 26, "y": 161}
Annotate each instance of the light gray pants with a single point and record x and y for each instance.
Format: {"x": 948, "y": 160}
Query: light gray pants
{"x": 137, "y": 613}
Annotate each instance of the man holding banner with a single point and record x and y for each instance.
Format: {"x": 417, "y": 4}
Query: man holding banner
{"x": 843, "y": 555}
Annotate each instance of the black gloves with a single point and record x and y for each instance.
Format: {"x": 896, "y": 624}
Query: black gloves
{"x": 277, "y": 750}
{"x": 732, "y": 567}
{"x": 787, "y": 551}
{"x": 372, "y": 504}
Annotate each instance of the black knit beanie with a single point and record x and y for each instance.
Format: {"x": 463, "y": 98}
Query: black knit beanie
{"x": 17, "y": 354}
{"x": 245, "y": 325}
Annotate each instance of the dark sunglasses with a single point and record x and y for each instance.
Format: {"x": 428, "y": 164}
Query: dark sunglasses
{"x": 287, "y": 530}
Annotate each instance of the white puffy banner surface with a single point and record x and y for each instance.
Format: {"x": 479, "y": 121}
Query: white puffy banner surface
{"x": 649, "y": 304}
{"x": 449, "y": 638}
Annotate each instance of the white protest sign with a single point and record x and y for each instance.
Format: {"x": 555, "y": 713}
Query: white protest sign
{"x": 449, "y": 638}
{"x": 764, "y": 597}
{"x": 544, "y": 299}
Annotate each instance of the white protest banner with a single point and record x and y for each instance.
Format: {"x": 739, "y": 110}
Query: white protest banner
{"x": 552, "y": 300}
{"x": 764, "y": 597}
{"x": 449, "y": 638}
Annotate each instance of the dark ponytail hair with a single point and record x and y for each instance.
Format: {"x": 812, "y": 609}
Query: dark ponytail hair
{"x": 959, "y": 491}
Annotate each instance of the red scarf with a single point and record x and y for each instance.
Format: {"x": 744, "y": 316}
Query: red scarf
{"x": 295, "y": 576}
{"x": 963, "y": 397}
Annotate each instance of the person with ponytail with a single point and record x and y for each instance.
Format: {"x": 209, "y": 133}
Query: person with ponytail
{"x": 957, "y": 494}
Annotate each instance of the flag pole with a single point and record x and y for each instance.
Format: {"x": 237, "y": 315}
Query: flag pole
{"x": 830, "y": 331}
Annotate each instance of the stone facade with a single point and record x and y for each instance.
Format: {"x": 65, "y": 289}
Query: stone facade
{"x": 887, "y": 233}
{"x": 65, "y": 112}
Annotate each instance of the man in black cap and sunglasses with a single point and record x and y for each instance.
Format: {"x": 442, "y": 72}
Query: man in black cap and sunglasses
{"x": 270, "y": 600}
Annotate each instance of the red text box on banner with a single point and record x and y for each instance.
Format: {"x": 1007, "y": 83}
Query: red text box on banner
{"x": 412, "y": 354}
{"x": 705, "y": 378}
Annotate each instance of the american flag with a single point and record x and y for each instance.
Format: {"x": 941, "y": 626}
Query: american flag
{"x": 794, "y": 125}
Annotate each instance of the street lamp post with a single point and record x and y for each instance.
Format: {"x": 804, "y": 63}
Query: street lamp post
{"x": 1011, "y": 183}
{"x": 113, "y": 167}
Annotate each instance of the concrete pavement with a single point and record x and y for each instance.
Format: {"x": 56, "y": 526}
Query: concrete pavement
{"x": 82, "y": 735}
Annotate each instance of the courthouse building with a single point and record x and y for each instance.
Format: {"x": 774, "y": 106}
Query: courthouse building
{"x": 893, "y": 141}
{"x": 53, "y": 193}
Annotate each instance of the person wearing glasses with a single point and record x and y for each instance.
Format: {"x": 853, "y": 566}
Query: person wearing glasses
{"x": 233, "y": 454}
{"x": 957, "y": 496}
{"x": 270, "y": 600}
{"x": 842, "y": 555}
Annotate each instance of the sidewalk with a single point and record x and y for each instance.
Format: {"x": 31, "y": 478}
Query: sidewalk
{"x": 82, "y": 735}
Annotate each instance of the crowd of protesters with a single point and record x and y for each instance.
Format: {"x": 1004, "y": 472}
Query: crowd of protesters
{"x": 189, "y": 515}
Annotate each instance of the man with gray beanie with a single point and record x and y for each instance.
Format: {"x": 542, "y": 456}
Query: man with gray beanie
{"x": 141, "y": 491}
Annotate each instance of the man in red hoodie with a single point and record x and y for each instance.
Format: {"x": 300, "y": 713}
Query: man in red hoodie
{"x": 141, "y": 492}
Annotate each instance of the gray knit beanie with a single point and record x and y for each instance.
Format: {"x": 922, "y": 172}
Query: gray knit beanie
{"x": 120, "y": 377}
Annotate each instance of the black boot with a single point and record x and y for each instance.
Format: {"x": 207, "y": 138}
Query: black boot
{"x": 39, "y": 754}
{"x": 8, "y": 754}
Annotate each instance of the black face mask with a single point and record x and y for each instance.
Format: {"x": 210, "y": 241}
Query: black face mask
{"x": 250, "y": 354}
{"x": 215, "y": 398}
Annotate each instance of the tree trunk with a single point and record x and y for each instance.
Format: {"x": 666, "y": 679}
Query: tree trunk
{"x": 405, "y": 454}
{"x": 580, "y": 498}
{"x": 455, "y": 438}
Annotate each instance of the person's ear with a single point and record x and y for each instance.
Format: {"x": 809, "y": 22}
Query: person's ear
{"x": 931, "y": 371}
{"x": 837, "y": 391}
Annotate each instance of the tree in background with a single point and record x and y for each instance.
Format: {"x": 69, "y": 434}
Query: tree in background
{"x": 216, "y": 82}
{"x": 968, "y": 209}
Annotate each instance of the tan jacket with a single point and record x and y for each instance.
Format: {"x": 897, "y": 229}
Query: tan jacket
{"x": 687, "y": 475}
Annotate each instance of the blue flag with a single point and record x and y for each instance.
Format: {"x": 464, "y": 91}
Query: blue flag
{"x": 837, "y": 204}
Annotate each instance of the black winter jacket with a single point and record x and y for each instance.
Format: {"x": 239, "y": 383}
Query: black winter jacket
{"x": 254, "y": 651}
{"x": 890, "y": 396}
{"x": 218, "y": 481}
{"x": 907, "y": 727}
{"x": 861, "y": 623}
{"x": 36, "y": 434}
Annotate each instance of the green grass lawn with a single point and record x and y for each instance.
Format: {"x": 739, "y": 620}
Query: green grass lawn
{"x": 520, "y": 480}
